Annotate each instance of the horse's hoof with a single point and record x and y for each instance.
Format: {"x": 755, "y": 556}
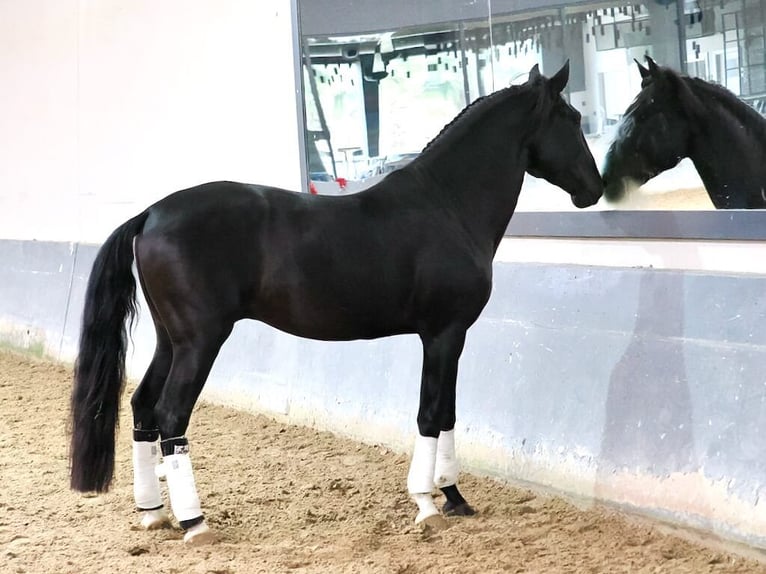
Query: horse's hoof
{"x": 463, "y": 509}
{"x": 155, "y": 519}
{"x": 199, "y": 535}
{"x": 433, "y": 524}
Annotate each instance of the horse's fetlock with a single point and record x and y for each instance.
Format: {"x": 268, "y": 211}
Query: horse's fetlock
{"x": 174, "y": 445}
{"x": 143, "y": 435}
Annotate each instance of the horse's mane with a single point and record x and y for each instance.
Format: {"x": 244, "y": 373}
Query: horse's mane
{"x": 742, "y": 111}
{"x": 475, "y": 109}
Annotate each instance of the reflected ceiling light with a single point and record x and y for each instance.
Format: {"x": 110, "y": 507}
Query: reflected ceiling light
{"x": 386, "y": 43}
{"x": 377, "y": 63}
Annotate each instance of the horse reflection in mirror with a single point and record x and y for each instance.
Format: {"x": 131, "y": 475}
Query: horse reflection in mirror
{"x": 412, "y": 254}
{"x": 674, "y": 117}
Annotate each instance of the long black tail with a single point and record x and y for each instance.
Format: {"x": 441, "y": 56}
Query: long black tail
{"x": 99, "y": 373}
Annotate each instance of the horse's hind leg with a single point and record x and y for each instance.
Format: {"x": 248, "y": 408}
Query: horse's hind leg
{"x": 192, "y": 361}
{"x": 146, "y": 484}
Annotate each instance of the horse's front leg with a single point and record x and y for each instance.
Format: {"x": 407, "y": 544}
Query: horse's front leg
{"x": 433, "y": 459}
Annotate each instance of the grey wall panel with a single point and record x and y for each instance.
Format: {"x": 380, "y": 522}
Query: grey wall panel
{"x": 82, "y": 262}
{"x": 35, "y": 280}
{"x": 722, "y": 224}
{"x": 637, "y": 386}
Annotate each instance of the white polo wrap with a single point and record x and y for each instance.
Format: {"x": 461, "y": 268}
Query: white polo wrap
{"x": 426, "y": 506}
{"x": 146, "y": 485}
{"x": 184, "y": 501}
{"x": 421, "y": 476}
{"x": 447, "y": 467}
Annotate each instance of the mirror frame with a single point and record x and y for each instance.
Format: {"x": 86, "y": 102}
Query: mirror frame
{"x": 717, "y": 225}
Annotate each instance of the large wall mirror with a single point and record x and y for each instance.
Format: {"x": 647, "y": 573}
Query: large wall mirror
{"x": 380, "y": 80}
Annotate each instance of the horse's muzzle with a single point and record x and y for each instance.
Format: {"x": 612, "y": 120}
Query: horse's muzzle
{"x": 587, "y": 198}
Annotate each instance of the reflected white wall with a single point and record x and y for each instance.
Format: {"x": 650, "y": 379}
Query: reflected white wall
{"x": 107, "y": 106}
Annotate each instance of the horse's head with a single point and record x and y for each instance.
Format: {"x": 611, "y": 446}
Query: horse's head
{"x": 558, "y": 152}
{"x": 654, "y": 133}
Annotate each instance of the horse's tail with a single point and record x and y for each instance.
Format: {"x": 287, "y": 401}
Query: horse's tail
{"x": 99, "y": 373}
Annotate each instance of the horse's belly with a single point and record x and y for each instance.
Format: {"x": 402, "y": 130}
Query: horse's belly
{"x": 310, "y": 315}
{"x": 336, "y": 328}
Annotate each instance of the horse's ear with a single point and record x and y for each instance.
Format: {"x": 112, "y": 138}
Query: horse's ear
{"x": 558, "y": 82}
{"x": 642, "y": 70}
{"x": 654, "y": 69}
{"x": 534, "y": 73}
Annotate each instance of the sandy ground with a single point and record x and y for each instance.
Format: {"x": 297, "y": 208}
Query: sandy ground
{"x": 683, "y": 199}
{"x": 294, "y": 500}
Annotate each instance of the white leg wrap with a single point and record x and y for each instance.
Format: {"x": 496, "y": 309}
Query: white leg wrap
{"x": 146, "y": 485}
{"x": 184, "y": 500}
{"x": 421, "y": 476}
{"x": 447, "y": 467}
{"x": 426, "y": 506}
{"x": 154, "y": 519}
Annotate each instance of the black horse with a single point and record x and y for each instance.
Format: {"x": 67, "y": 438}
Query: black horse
{"x": 413, "y": 254}
{"x": 676, "y": 116}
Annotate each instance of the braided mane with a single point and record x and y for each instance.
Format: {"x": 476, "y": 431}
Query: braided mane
{"x": 473, "y": 110}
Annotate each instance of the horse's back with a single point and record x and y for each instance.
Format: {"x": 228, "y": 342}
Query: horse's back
{"x": 237, "y": 218}
{"x": 305, "y": 264}
{"x": 210, "y": 200}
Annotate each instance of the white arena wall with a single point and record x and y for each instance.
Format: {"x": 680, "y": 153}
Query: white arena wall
{"x": 107, "y": 106}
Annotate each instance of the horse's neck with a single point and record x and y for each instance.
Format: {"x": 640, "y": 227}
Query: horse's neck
{"x": 729, "y": 159}
{"x": 479, "y": 184}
